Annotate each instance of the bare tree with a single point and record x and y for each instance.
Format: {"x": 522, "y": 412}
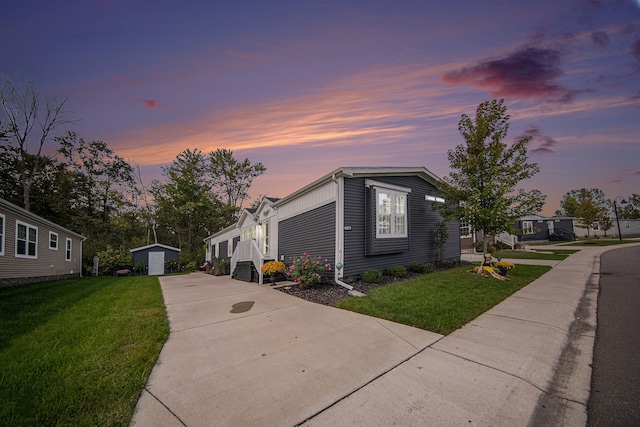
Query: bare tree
{"x": 27, "y": 118}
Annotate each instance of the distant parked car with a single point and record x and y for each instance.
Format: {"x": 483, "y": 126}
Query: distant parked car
{"x": 123, "y": 272}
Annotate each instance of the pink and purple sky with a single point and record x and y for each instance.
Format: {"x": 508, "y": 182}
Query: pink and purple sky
{"x": 306, "y": 86}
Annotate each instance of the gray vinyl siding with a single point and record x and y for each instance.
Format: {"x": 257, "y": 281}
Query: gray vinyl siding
{"x": 312, "y": 232}
{"x": 49, "y": 264}
{"x": 362, "y": 251}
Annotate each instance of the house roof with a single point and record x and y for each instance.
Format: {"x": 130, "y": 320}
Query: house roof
{"x": 155, "y": 245}
{"x": 223, "y": 231}
{"x": 354, "y": 172}
{"x": 26, "y": 214}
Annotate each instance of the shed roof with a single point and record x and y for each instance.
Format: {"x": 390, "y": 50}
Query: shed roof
{"x": 155, "y": 245}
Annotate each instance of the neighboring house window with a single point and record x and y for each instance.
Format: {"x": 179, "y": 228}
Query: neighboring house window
{"x": 465, "y": 228}
{"x": 26, "y": 240}
{"x": 391, "y": 214}
{"x": 230, "y": 246}
{"x": 53, "y": 240}
{"x": 2, "y": 217}
{"x": 68, "y": 253}
{"x": 595, "y": 226}
{"x": 527, "y": 227}
{"x": 627, "y": 226}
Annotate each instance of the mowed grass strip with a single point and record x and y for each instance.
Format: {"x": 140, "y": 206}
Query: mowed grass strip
{"x": 556, "y": 254}
{"x": 78, "y": 352}
{"x": 601, "y": 242}
{"x": 444, "y": 301}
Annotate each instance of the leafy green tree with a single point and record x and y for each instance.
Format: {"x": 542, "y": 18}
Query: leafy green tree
{"x": 630, "y": 210}
{"x": 26, "y": 116}
{"x": 572, "y": 199}
{"x": 587, "y": 205}
{"x": 485, "y": 172}
{"x": 186, "y": 210}
{"x": 232, "y": 178}
{"x": 104, "y": 181}
{"x": 51, "y": 191}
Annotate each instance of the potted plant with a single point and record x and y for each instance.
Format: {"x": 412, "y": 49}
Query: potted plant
{"x": 504, "y": 266}
{"x": 273, "y": 268}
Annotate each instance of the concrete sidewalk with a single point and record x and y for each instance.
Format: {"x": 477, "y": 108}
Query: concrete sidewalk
{"x": 242, "y": 354}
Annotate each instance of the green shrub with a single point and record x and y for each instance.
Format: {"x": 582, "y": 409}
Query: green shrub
{"x": 372, "y": 276}
{"x": 223, "y": 265}
{"x": 191, "y": 266}
{"x": 418, "y": 267}
{"x": 139, "y": 268}
{"x": 171, "y": 265}
{"x": 398, "y": 271}
{"x": 112, "y": 260}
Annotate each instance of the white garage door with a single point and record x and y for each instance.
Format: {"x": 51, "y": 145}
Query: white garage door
{"x": 156, "y": 263}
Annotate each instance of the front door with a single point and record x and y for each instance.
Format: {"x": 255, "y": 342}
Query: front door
{"x": 550, "y": 226}
{"x": 156, "y": 263}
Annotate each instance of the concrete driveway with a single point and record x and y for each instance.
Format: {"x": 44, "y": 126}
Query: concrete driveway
{"x": 243, "y": 354}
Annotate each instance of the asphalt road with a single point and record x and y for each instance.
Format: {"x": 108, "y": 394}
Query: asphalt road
{"x": 615, "y": 381}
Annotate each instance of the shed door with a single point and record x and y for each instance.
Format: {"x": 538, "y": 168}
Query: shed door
{"x": 156, "y": 263}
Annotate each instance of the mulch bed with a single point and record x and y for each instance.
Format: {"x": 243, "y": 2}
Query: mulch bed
{"x": 328, "y": 294}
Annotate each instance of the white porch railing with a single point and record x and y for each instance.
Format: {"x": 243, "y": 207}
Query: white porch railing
{"x": 507, "y": 239}
{"x": 248, "y": 250}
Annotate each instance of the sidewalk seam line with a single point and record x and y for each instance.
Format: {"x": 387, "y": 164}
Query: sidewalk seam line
{"x": 166, "y": 407}
{"x": 310, "y": 417}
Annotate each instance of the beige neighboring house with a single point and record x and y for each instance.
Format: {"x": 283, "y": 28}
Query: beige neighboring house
{"x": 33, "y": 249}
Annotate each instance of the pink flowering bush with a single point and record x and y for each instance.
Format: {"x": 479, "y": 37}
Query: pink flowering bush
{"x": 306, "y": 269}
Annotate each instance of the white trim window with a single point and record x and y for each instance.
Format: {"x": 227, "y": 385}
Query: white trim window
{"x": 465, "y": 228}
{"x": 527, "y": 227}
{"x": 26, "y": 240}
{"x": 68, "y": 246}
{"x": 391, "y": 213}
{"x": 230, "y": 246}
{"x": 2, "y": 234}
{"x": 53, "y": 240}
{"x": 248, "y": 233}
{"x": 627, "y": 225}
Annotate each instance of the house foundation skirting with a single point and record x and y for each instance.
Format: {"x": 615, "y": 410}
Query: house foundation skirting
{"x": 19, "y": 281}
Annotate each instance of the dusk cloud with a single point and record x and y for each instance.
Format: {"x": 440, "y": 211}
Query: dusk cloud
{"x": 150, "y": 103}
{"x": 635, "y": 50}
{"x": 544, "y": 143}
{"x": 600, "y": 38}
{"x": 529, "y": 72}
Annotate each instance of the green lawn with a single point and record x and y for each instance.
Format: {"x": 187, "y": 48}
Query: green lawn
{"x": 78, "y": 352}
{"x": 443, "y": 301}
{"x": 601, "y": 242}
{"x": 558, "y": 254}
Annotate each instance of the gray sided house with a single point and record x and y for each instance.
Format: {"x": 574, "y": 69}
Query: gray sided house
{"x": 531, "y": 228}
{"x": 363, "y": 218}
{"x": 33, "y": 249}
{"x": 155, "y": 257}
{"x": 541, "y": 228}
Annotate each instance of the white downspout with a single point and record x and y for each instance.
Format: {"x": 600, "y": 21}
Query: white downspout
{"x": 339, "y": 232}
